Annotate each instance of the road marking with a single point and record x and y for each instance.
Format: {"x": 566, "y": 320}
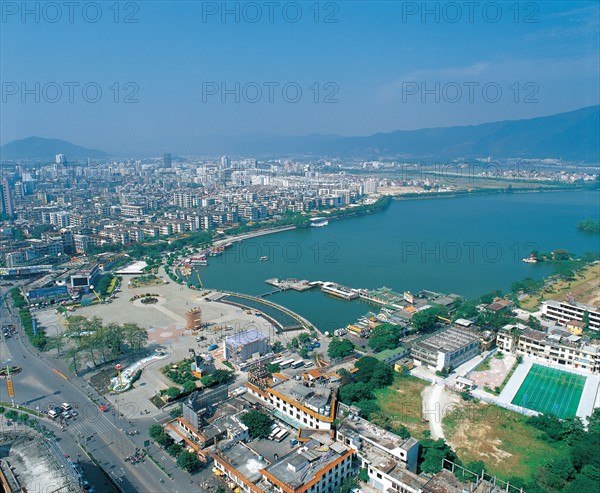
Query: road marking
{"x": 59, "y": 373}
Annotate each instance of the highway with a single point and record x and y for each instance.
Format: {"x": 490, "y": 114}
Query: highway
{"x": 40, "y": 384}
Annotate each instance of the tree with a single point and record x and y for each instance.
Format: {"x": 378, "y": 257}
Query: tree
{"x": 174, "y": 449}
{"x": 11, "y": 415}
{"x": 384, "y": 336}
{"x": 432, "y": 454}
{"x": 277, "y": 347}
{"x": 355, "y": 392}
{"x": 55, "y": 342}
{"x": 273, "y": 368}
{"x": 586, "y": 320}
{"x": 426, "y": 320}
{"x": 303, "y": 338}
{"x": 303, "y": 352}
{"x": 134, "y": 335}
{"x": 258, "y": 423}
{"x": 189, "y": 387}
{"x": 172, "y": 393}
{"x": 366, "y": 366}
{"x": 383, "y": 375}
{"x": 368, "y": 408}
{"x": 188, "y": 461}
{"x": 340, "y": 348}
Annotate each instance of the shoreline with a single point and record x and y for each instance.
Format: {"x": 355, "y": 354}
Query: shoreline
{"x": 473, "y": 193}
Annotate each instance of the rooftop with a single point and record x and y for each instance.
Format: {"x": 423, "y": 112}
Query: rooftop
{"x": 448, "y": 340}
{"x": 380, "y": 437}
{"x": 244, "y": 338}
{"x": 245, "y": 460}
{"x": 307, "y": 462}
{"x": 314, "y": 397}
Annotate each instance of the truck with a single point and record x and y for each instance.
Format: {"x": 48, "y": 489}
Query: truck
{"x": 212, "y": 347}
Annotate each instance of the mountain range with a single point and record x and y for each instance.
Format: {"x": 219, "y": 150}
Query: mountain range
{"x": 40, "y": 149}
{"x": 573, "y": 136}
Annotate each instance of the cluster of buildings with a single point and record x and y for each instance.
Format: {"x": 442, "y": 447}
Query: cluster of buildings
{"x": 123, "y": 203}
{"x": 326, "y": 442}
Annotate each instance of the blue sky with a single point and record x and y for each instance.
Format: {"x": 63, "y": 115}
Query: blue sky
{"x": 382, "y": 66}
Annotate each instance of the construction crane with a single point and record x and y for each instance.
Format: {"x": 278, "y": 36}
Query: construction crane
{"x": 199, "y": 280}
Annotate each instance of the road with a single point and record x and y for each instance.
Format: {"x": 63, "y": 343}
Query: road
{"x": 104, "y": 434}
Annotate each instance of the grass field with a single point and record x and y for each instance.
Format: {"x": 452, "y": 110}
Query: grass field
{"x": 502, "y": 439}
{"x": 402, "y": 402}
{"x": 550, "y": 391}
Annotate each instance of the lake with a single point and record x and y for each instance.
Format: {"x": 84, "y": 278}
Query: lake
{"x": 467, "y": 245}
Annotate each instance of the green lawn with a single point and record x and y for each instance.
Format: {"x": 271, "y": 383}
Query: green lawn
{"x": 550, "y": 391}
{"x": 402, "y": 402}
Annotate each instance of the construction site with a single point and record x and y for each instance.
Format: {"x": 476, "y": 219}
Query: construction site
{"x": 34, "y": 464}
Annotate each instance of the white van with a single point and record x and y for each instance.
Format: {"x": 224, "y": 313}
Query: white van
{"x": 66, "y": 406}
{"x": 52, "y": 413}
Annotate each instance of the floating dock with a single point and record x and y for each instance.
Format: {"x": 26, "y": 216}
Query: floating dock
{"x": 285, "y": 284}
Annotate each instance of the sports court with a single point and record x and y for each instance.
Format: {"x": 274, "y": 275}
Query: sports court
{"x": 548, "y": 390}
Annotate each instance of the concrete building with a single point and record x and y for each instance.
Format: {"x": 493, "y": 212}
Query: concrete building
{"x": 7, "y": 201}
{"x": 320, "y": 465}
{"x": 365, "y": 437}
{"x": 300, "y": 404}
{"x": 390, "y": 461}
{"x": 202, "y": 403}
{"x": 565, "y": 311}
{"x": 85, "y": 276}
{"x": 447, "y": 349}
{"x": 554, "y": 346}
{"x": 245, "y": 345}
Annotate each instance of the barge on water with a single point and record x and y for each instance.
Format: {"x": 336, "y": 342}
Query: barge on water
{"x": 339, "y": 291}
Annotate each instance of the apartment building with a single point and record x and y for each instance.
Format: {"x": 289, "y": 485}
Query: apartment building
{"x": 300, "y": 404}
{"x": 446, "y": 349}
{"x": 565, "y": 311}
{"x": 554, "y": 346}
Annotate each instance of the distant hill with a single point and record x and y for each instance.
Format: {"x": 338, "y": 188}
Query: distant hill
{"x": 572, "y": 136}
{"x": 40, "y": 149}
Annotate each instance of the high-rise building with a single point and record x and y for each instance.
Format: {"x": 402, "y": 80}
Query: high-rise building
{"x": 7, "y": 202}
{"x": 225, "y": 162}
{"x": 167, "y": 160}
{"x": 60, "y": 159}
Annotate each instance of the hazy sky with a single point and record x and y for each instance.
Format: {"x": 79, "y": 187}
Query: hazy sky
{"x": 348, "y": 68}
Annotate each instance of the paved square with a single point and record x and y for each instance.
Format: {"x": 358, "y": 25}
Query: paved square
{"x": 548, "y": 390}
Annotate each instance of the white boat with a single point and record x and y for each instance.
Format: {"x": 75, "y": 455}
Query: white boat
{"x": 264, "y": 259}
{"x": 319, "y": 222}
{"x": 530, "y": 260}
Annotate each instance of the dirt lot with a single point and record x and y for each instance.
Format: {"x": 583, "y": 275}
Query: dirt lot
{"x": 585, "y": 289}
{"x": 500, "y": 438}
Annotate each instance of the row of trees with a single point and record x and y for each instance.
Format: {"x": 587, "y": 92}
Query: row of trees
{"x": 185, "y": 460}
{"x": 98, "y": 342}
{"x": 36, "y": 337}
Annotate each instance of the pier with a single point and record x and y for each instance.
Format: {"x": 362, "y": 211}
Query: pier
{"x": 285, "y": 284}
